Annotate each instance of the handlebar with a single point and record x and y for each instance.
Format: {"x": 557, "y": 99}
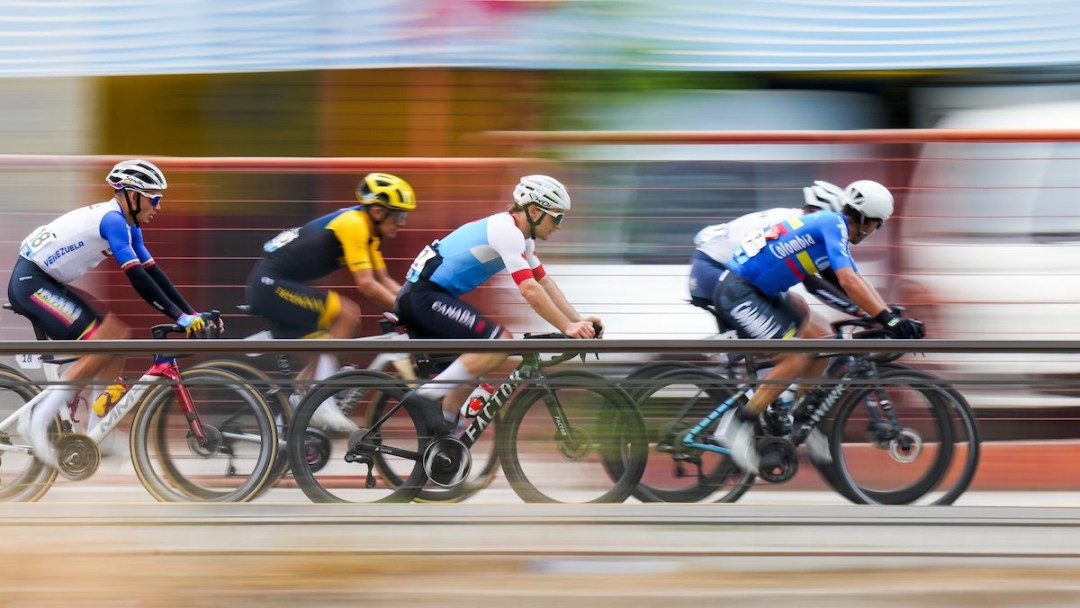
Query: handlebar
{"x": 209, "y": 332}
{"x": 558, "y": 335}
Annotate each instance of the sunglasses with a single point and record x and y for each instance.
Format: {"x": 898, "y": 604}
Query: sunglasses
{"x": 155, "y": 199}
{"x": 558, "y": 217}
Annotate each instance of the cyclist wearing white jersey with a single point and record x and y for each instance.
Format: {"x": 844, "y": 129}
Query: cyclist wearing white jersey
{"x": 58, "y": 253}
{"x": 429, "y": 302}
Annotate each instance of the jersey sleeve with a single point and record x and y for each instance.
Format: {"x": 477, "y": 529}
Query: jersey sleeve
{"x": 139, "y": 247}
{"x": 360, "y": 250}
{"x": 115, "y": 230}
{"x": 509, "y": 243}
{"x": 837, "y": 244}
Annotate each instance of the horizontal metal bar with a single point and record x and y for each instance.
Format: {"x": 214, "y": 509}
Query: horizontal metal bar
{"x": 543, "y": 346}
{"x": 866, "y": 136}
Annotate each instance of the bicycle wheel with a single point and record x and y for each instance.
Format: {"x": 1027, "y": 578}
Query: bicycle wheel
{"x": 876, "y": 463}
{"x": 242, "y": 447}
{"x": 485, "y": 461}
{"x": 23, "y": 478}
{"x": 275, "y": 396}
{"x": 676, "y": 401}
{"x": 607, "y": 435}
{"x": 338, "y": 468}
{"x": 639, "y": 380}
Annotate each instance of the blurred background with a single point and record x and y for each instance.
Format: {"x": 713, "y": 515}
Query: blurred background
{"x": 452, "y": 96}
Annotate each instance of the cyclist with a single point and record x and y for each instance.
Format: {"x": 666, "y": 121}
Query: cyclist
{"x": 279, "y": 288}
{"x": 449, "y": 268}
{"x": 751, "y": 296}
{"x": 58, "y": 253}
{"x": 715, "y": 244}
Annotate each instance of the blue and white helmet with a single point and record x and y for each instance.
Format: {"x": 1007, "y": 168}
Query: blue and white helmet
{"x": 138, "y": 174}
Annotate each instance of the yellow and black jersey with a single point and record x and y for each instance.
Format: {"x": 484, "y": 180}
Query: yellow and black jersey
{"x": 343, "y": 238}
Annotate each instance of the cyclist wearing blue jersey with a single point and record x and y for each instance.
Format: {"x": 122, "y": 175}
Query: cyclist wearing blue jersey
{"x": 751, "y": 296}
{"x": 429, "y": 302}
{"x": 58, "y": 253}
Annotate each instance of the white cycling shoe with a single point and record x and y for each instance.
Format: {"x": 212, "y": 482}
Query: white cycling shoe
{"x": 738, "y": 437}
{"x": 817, "y": 447}
{"x": 40, "y": 443}
{"x": 329, "y": 418}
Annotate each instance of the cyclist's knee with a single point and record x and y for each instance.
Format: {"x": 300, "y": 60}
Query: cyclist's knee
{"x": 346, "y": 324}
{"x": 111, "y": 328}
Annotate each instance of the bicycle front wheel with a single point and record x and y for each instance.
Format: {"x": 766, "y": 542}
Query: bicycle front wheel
{"x": 897, "y": 457}
{"x": 332, "y": 466}
{"x": 235, "y": 462}
{"x": 575, "y": 438}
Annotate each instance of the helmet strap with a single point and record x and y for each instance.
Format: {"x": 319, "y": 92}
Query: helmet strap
{"x": 532, "y": 224}
{"x": 138, "y": 206}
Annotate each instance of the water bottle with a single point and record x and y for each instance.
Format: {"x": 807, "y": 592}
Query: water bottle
{"x": 787, "y": 398}
{"x": 477, "y": 399}
{"x": 778, "y": 417}
{"x": 110, "y": 396}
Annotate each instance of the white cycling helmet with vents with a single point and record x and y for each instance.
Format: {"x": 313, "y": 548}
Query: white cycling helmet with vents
{"x": 824, "y": 196}
{"x": 542, "y": 190}
{"x": 870, "y": 198}
{"x": 138, "y": 174}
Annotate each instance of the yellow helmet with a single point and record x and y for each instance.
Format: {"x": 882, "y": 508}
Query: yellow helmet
{"x": 387, "y": 190}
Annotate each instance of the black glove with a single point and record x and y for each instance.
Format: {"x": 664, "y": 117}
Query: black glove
{"x": 901, "y": 328}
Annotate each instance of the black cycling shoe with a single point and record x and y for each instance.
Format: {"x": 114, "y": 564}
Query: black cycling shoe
{"x": 430, "y": 410}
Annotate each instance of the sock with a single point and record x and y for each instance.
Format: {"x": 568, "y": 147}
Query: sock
{"x": 326, "y": 366}
{"x": 745, "y": 415}
{"x": 451, "y": 378}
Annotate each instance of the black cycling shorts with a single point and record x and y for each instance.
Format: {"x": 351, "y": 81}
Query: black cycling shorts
{"x": 430, "y": 312}
{"x": 752, "y": 314}
{"x": 293, "y": 309}
{"x": 62, "y": 312}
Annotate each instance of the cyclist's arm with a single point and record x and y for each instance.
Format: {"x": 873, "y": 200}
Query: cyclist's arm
{"x": 384, "y": 278}
{"x": 830, "y": 294}
{"x": 540, "y": 301}
{"x": 558, "y": 298}
{"x": 367, "y": 281}
{"x": 156, "y": 273}
{"x": 114, "y": 229}
{"x": 861, "y": 291}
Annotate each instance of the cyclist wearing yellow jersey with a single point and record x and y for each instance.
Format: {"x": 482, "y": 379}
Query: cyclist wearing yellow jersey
{"x": 279, "y": 288}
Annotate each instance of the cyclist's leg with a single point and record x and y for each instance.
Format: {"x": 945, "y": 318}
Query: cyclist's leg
{"x": 433, "y": 313}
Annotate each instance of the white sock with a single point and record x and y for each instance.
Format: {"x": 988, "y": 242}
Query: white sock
{"x": 451, "y": 378}
{"x": 326, "y": 366}
{"x": 53, "y": 398}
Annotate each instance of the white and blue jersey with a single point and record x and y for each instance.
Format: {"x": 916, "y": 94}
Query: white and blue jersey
{"x": 777, "y": 258}
{"x": 76, "y": 242}
{"x": 475, "y": 252}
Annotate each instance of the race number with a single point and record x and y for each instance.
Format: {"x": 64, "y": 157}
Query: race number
{"x": 282, "y": 239}
{"x": 416, "y": 270}
{"x": 37, "y": 240}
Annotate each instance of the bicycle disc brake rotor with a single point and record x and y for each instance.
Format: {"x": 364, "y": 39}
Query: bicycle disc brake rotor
{"x": 213, "y": 442}
{"x": 78, "y": 456}
{"x": 447, "y": 462}
{"x": 906, "y": 448}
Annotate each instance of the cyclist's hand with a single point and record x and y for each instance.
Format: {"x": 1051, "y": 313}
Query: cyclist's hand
{"x": 598, "y": 326}
{"x": 901, "y": 328}
{"x": 191, "y": 323}
{"x": 221, "y": 325}
{"x": 579, "y": 329}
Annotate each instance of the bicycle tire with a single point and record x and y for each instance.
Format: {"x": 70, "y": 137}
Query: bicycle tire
{"x": 639, "y": 378}
{"x": 33, "y": 479}
{"x": 720, "y": 473}
{"x": 345, "y": 482}
{"x": 158, "y": 415}
{"x": 939, "y": 421}
{"x": 272, "y": 393}
{"x": 477, "y": 481}
{"x": 624, "y": 439}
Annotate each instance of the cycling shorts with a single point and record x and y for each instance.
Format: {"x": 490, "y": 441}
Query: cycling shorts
{"x": 744, "y": 307}
{"x": 293, "y": 309}
{"x": 62, "y": 312}
{"x": 431, "y": 312}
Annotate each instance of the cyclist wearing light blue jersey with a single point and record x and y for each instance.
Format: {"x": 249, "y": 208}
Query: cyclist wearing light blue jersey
{"x": 429, "y": 303}
{"x": 751, "y": 296}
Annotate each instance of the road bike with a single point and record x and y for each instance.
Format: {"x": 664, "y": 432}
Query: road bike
{"x": 896, "y": 435}
{"x": 198, "y": 435}
{"x": 559, "y": 435}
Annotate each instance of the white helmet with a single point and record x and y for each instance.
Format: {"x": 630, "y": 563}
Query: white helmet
{"x": 824, "y": 196}
{"x": 137, "y": 174}
{"x": 870, "y": 198}
{"x": 542, "y": 190}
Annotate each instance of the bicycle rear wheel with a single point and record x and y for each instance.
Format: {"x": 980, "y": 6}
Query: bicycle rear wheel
{"x": 238, "y": 460}
{"x": 603, "y": 459}
{"x": 23, "y": 478}
{"x": 485, "y": 461}
{"x": 676, "y": 401}
{"x": 334, "y": 467}
{"x": 873, "y": 466}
